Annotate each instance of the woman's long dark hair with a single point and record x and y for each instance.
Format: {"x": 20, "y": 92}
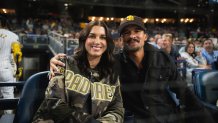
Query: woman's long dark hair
{"x": 193, "y": 55}
{"x": 105, "y": 66}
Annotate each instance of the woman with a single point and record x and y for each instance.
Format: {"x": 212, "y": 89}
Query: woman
{"x": 190, "y": 57}
{"x": 194, "y": 61}
{"x": 89, "y": 91}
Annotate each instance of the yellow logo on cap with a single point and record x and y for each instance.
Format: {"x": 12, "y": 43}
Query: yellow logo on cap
{"x": 130, "y": 18}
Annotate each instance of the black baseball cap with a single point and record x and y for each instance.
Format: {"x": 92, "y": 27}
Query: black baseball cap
{"x": 131, "y": 20}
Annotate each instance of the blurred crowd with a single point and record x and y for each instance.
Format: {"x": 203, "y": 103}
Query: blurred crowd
{"x": 196, "y": 45}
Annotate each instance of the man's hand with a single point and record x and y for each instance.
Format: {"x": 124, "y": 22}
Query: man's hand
{"x": 54, "y": 62}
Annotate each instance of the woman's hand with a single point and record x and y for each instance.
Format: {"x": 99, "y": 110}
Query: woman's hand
{"x": 54, "y": 62}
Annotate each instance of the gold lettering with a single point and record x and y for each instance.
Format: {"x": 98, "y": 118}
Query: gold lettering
{"x": 113, "y": 88}
{"x": 68, "y": 77}
{"x": 75, "y": 83}
{"x": 82, "y": 85}
{"x": 85, "y": 86}
{"x": 92, "y": 91}
{"x": 108, "y": 93}
{"x": 99, "y": 91}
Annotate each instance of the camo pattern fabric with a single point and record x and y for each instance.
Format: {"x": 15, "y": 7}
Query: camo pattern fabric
{"x": 78, "y": 99}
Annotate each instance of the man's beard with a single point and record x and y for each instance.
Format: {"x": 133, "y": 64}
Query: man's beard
{"x": 132, "y": 49}
{"x": 209, "y": 49}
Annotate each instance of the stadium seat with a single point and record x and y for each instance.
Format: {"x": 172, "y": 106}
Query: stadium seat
{"x": 215, "y": 65}
{"x": 9, "y": 104}
{"x": 31, "y": 97}
{"x": 206, "y": 88}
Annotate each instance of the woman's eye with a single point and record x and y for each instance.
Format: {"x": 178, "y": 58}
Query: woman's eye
{"x": 91, "y": 36}
{"x": 103, "y": 37}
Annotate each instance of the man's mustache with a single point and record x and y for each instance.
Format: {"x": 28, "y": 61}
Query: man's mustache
{"x": 132, "y": 39}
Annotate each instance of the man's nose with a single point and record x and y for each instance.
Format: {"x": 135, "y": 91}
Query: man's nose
{"x": 132, "y": 35}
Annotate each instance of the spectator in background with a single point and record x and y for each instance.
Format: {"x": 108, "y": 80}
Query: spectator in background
{"x": 152, "y": 40}
{"x": 208, "y": 51}
{"x": 183, "y": 44}
{"x": 157, "y": 36}
{"x": 198, "y": 44}
{"x": 168, "y": 46}
{"x": 192, "y": 63}
{"x": 118, "y": 43}
{"x": 159, "y": 43}
{"x": 199, "y": 57}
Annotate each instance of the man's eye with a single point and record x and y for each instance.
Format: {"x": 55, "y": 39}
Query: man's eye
{"x": 126, "y": 33}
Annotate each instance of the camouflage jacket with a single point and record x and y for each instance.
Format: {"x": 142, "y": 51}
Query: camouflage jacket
{"x": 76, "y": 98}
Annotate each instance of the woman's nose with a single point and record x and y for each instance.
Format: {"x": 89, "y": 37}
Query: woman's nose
{"x": 97, "y": 40}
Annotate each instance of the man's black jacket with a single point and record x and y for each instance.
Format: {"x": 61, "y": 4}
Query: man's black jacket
{"x": 145, "y": 92}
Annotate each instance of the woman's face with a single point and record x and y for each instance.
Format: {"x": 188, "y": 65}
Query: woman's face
{"x": 96, "y": 43}
{"x": 191, "y": 48}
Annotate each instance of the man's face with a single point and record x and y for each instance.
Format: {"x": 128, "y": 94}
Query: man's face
{"x": 197, "y": 43}
{"x": 160, "y": 42}
{"x": 208, "y": 45}
{"x": 133, "y": 38}
{"x": 118, "y": 42}
{"x": 166, "y": 42}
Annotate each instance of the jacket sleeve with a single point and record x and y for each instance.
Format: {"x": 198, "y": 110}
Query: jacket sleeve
{"x": 191, "y": 61}
{"x": 115, "y": 110}
{"x": 54, "y": 106}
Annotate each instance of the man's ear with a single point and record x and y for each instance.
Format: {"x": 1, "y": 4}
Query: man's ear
{"x": 146, "y": 37}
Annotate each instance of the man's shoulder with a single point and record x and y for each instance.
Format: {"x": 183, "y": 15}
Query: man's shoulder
{"x": 150, "y": 47}
{"x": 154, "y": 50}
{"x": 9, "y": 34}
{"x": 216, "y": 52}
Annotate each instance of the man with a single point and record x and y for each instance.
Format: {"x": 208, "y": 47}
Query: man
{"x": 159, "y": 43}
{"x": 8, "y": 44}
{"x": 146, "y": 75}
{"x": 118, "y": 43}
{"x": 208, "y": 51}
{"x": 168, "y": 46}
